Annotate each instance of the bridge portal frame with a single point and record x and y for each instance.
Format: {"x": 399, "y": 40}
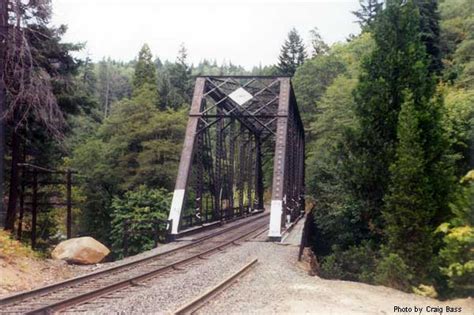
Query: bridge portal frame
{"x": 277, "y": 118}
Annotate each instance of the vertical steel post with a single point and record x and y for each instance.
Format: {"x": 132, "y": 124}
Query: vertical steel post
{"x": 185, "y": 162}
{"x": 126, "y": 231}
{"x": 240, "y": 181}
{"x": 278, "y": 193}
{"x": 34, "y": 208}
{"x": 231, "y": 167}
{"x": 156, "y": 231}
{"x": 22, "y": 202}
{"x": 258, "y": 174}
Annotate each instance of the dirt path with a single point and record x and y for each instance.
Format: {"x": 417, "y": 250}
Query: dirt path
{"x": 279, "y": 285}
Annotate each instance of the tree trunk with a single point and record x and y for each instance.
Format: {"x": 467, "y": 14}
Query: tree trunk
{"x": 14, "y": 181}
{"x": 3, "y": 100}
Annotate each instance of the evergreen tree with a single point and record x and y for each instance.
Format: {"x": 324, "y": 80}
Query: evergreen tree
{"x": 175, "y": 82}
{"x": 145, "y": 70}
{"x": 292, "y": 53}
{"x": 37, "y": 70}
{"x": 398, "y": 63}
{"x": 367, "y": 12}
{"x": 88, "y": 79}
{"x": 430, "y": 32}
{"x": 410, "y": 205}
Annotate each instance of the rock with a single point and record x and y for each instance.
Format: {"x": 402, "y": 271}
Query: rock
{"x": 80, "y": 250}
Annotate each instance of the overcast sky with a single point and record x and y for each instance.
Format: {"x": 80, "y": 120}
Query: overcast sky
{"x": 245, "y": 32}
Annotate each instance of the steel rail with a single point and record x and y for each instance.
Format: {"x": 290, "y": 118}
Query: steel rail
{"x": 68, "y": 302}
{"x": 197, "y": 303}
{"x": 76, "y": 280}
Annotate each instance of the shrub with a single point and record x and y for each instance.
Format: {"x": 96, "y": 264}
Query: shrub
{"x": 457, "y": 258}
{"x": 355, "y": 264}
{"x": 457, "y": 255}
{"x": 140, "y": 208}
{"x": 392, "y": 272}
{"x": 426, "y": 290}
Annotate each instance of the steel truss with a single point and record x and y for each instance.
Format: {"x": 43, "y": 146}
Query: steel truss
{"x": 237, "y": 125}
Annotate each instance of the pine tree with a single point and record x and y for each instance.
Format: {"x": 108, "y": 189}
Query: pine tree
{"x": 292, "y": 53}
{"x": 145, "y": 70}
{"x": 367, "y": 12}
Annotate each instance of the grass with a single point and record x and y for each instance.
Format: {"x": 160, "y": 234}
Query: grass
{"x": 11, "y": 249}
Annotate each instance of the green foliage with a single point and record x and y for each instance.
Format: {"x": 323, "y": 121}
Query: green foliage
{"x": 337, "y": 212}
{"x": 137, "y": 144}
{"x": 113, "y": 83}
{"x": 430, "y": 32}
{"x": 144, "y": 142}
{"x": 397, "y": 64}
{"x": 457, "y": 29}
{"x": 368, "y": 12}
{"x": 319, "y": 47}
{"x": 457, "y": 254}
{"x": 409, "y": 202}
{"x": 139, "y": 208}
{"x": 292, "y": 53}
{"x": 357, "y": 263}
{"x": 145, "y": 71}
{"x": 459, "y": 123}
{"x": 311, "y": 81}
{"x": 458, "y": 258}
{"x": 380, "y": 164}
{"x": 392, "y": 271}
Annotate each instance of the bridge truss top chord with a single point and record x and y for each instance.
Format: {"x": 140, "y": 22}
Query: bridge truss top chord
{"x": 238, "y": 128}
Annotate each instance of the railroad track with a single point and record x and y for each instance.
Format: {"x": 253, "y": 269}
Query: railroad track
{"x": 194, "y": 305}
{"x": 59, "y": 296}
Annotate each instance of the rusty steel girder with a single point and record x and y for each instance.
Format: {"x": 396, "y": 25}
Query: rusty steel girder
{"x": 237, "y": 126}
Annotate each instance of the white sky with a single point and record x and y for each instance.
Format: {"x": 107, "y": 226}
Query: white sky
{"x": 245, "y": 32}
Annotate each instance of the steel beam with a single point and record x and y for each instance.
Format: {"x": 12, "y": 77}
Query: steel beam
{"x": 278, "y": 193}
{"x": 186, "y": 160}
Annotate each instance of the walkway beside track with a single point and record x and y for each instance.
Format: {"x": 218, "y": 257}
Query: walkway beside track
{"x": 295, "y": 234}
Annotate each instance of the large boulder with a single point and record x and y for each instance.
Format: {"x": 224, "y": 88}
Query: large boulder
{"x": 80, "y": 250}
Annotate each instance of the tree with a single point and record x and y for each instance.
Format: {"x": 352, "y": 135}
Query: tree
{"x": 397, "y": 64}
{"x": 138, "y": 144}
{"x": 311, "y": 81}
{"x": 367, "y": 12}
{"x": 145, "y": 70}
{"x": 3, "y": 100}
{"x": 88, "y": 79}
{"x": 113, "y": 83}
{"x": 319, "y": 47}
{"x": 36, "y": 65}
{"x": 410, "y": 207}
{"x": 430, "y": 32}
{"x": 139, "y": 208}
{"x": 292, "y": 53}
{"x": 175, "y": 84}
{"x": 337, "y": 211}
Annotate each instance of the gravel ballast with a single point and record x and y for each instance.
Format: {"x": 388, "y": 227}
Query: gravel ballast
{"x": 276, "y": 285}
